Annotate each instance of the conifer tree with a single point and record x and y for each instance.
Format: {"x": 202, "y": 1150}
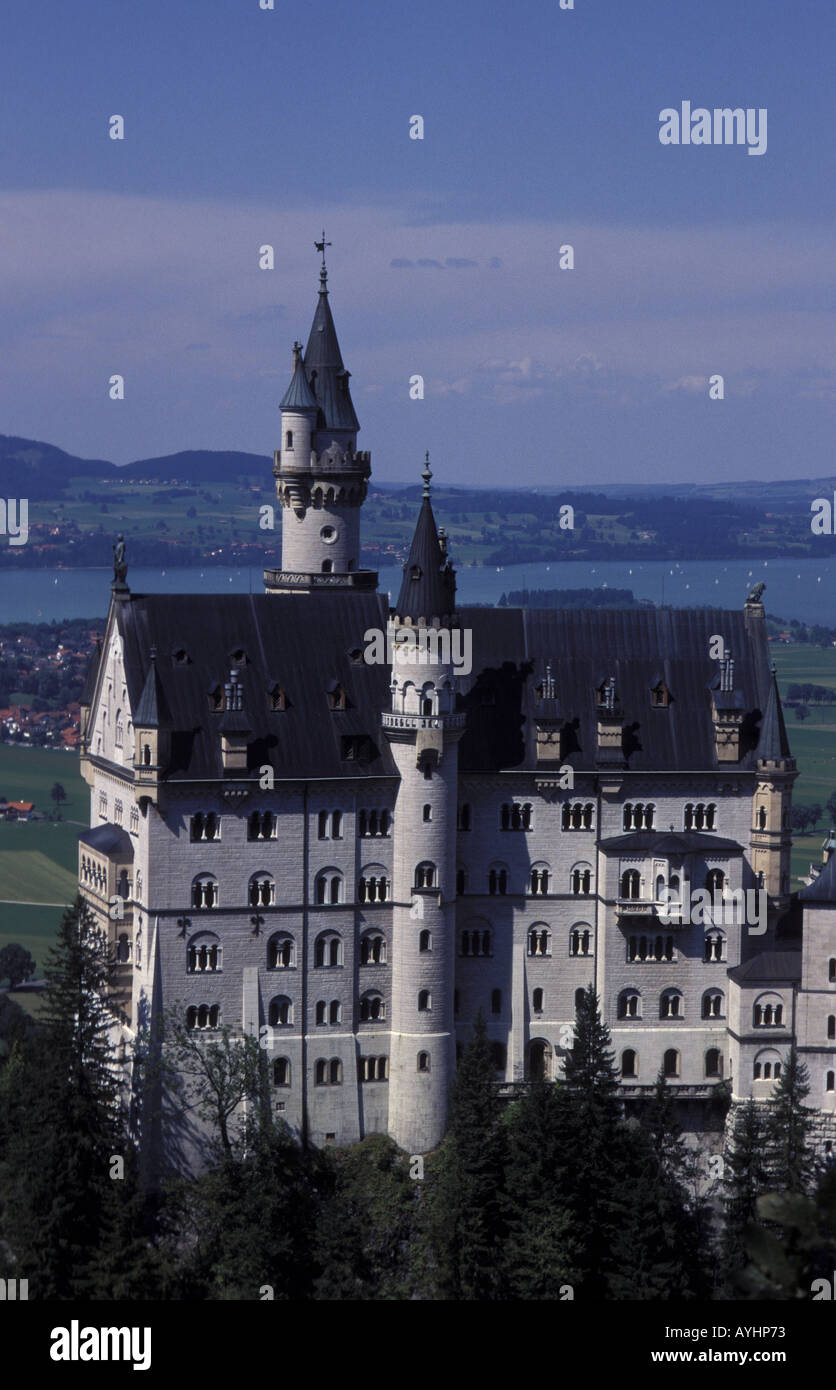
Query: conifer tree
{"x": 539, "y": 1246}
{"x": 56, "y": 1173}
{"x": 791, "y": 1159}
{"x": 746, "y": 1177}
{"x": 592, "y": 1178}
{"x": 466, "y": 1223}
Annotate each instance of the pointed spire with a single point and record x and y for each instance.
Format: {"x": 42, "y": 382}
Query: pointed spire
{"x": 152, "y": 710}
{"x": 298, "y": 395}
{"x": 773, "y": 744}
{"x": 428, "y": 589}
{"x": 324, "y": 368}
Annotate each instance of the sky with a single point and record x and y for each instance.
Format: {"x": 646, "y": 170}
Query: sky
{"x": 247, "y": 127}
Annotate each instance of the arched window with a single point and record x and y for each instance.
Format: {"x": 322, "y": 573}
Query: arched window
{"x": 373, "y": 948}
{"x": 427, "y": 813}
{"x": 537, "y": 1001}
{"x": 322, "y": 825}
{"x": 761, "y": 818}
{"x": 288, "y": 439}
{"x": 423, "y": 1061}
{"x": 123, "y": 949}
{"x": 580, "y": 940}
{"x": 715, "y": 882}
{"x": 713, "y": 1004}
{"x": 204, "y": 953}
{"x": 498, "y": 880}
{"x": 539, "y": 882}
{"x": 670, "y": 1065}
{"x": 328, "y": 887}
{"x": 713, "y": 1062}
{"x": 670, "y": 1004}
{"x": 373, "y": 885}
{"x": 540, "y": 1060}
{"x": 372, "y": 1007}
{"x": 328, "y": 950}
{"x": 767, "y": 1065}
{"x": 539, "y": 940}
{"x": 425, "y": 941}
{"x": 579, "y": 993}
{"x": 715, "y": 945}
{"x": 581, "y": 880}
{"x": 205, "y": 891}
{"x": 629, "y": 1004}
{"x": 496, "y": 1001}
{"x": 203, "y": 1016}
{"x": 262, "y": 890}
{"x": 425, "y": 874}
{"x": 768, "y": 1011}
{"x": 630, "y": 884}
{"x": 629, "y": 1063}
{"x": 425, "y": 1001}
{"x": 281, "y": 1071}
{"x": 281, "y": 952}
{"x": 280, "y": 1012}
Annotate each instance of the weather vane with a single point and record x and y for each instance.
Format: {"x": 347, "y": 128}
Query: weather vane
{"x": 320, "y": 246}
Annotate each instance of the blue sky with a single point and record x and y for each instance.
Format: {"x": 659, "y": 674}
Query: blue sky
{"x": 246, "y": 127}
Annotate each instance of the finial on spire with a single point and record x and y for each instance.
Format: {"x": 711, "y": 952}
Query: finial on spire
{"x": 297, "y": 353}
{"x": 426, "y": 475}
{"x": 323, "y": 273}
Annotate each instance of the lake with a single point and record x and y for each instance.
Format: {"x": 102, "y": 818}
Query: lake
{"x": 803, "y": 589}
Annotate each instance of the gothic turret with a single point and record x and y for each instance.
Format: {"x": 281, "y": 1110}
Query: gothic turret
{"x": 321, "y": 478}
{"x": 776, "y": 772}
{"x": 423, "y": 729}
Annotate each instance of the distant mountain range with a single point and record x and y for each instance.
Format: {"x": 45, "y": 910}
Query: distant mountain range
{"x": 47, "y": 470}
{"x": 203, "y": 506}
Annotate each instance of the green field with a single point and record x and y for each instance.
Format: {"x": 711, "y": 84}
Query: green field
{"x": 39, "y": 859}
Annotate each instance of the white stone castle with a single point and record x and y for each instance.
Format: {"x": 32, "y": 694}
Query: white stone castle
{"x": 351, "y": 860}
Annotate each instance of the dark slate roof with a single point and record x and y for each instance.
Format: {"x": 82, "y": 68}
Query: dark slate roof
{"x": 90, "y": 679}
{"x": 669, "y": 844}
{"x": 773, "y": 743}
{"x": 768, "y": 967}
{"x": 300, "y": 642}
{"x": 511, "y": 647}
{"x": 152, "y": 710}
{"x": 330, "y": 386}
{"x": 108, "y": 839}
{"x": 428, "y": 588}
{"x": 298, "y": 395}
{"x": 823, "y": 888}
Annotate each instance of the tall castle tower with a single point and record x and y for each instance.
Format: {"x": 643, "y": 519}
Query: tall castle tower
{"x": 423, "y": 730}
{"x": 321, "y": 477}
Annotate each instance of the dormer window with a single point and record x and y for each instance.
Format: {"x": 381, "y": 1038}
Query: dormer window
{"x": 416, "y": 572}
{"x": 238, "y": 657}
{"x": 180, "y": 657}
{"x": 606, "y": 694}
{"x": 337, "y": 697}
{"x": 660, "y": 696}
{"x": 216, "y": 699}
{"x": 277, "y": 697}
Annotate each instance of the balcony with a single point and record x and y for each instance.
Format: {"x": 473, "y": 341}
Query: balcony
{"x": 424, "y": 721}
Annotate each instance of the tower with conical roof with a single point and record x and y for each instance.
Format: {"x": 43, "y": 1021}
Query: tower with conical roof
{"x": 772, "y": 806}
{"x": 423, "y": 730}
{"x": 321, "y": 477}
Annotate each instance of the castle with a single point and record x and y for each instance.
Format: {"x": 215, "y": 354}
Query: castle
{"x": 350, "y": 858}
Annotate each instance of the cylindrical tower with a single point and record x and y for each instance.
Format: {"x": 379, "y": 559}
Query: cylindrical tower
{"x": 423, "y": 730}
{"x": 321, "y": 477}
